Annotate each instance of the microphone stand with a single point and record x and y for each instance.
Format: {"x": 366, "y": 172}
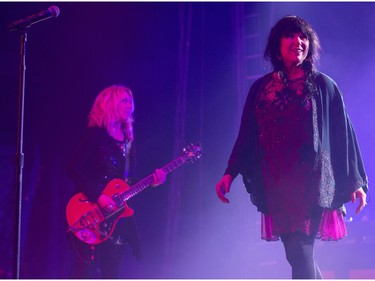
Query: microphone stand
{"x": 23, "y": 26}
{"x": 19, "y": 158}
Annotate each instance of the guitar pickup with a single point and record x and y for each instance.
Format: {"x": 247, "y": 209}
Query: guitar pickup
{"x": 119, "y": 202}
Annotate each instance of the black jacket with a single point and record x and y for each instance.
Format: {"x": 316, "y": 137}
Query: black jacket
{"x": 96, "y": 160}
{"x": 338, "y": 158}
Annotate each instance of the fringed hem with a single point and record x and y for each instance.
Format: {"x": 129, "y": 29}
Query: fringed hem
{"x": 332, "y": 227}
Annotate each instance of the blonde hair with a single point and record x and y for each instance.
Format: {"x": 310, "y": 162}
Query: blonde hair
{"x": 104, "y": 111}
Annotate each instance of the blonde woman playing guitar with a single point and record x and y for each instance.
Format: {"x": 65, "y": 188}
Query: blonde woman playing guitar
{"x": 104, "y": 153}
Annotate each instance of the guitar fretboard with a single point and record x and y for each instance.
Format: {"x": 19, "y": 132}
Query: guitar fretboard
{"x": 143, "y": 184}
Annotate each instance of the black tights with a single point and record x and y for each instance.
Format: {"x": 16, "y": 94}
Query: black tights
{"x": 299, "y": 250}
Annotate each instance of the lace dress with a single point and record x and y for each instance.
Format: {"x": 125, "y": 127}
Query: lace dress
{"x": 284, "y": 117}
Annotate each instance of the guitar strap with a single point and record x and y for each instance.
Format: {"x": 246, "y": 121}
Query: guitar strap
{"x": 127, "y": 159}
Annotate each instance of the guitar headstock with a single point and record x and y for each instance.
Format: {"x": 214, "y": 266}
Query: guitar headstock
{"x": 192, "y": 152}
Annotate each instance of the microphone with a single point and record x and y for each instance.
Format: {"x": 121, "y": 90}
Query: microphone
{"x": 51, "y": 12}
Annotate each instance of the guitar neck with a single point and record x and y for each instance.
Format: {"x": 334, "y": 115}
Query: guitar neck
{"x": 148, "y": 181}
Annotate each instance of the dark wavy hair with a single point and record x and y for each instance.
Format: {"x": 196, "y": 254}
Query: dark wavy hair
{"x": 285, "y": 26}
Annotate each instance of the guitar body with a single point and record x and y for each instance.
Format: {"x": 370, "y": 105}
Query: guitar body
{"x": 92, "y": 224}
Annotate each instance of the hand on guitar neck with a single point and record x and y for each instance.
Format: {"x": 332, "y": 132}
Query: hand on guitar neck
{"x": 159, "y": 177}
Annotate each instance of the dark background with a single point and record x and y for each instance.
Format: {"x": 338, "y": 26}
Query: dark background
{"x": 189, "y": 66}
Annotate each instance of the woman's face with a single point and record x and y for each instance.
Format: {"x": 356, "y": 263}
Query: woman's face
{"x": 294, "y": 49}
{"x": 125, "y": 106}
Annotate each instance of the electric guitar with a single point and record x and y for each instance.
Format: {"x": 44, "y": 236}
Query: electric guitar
{"x": 92, "y": 224}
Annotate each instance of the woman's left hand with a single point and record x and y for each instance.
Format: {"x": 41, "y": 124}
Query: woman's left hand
{"x": 361, "y": 195}
{"x": 159, "y": 177}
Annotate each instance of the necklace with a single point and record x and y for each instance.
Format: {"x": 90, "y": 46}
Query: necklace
{"x": 287, "y": 81}
{"x": 123, "y": 146}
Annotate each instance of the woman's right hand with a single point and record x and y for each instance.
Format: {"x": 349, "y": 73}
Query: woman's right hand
{"x": 106, "y": 202}
{"x": 223, "y": 187}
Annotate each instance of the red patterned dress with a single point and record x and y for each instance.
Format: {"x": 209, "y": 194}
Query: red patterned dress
{"x": 285, "y": 129}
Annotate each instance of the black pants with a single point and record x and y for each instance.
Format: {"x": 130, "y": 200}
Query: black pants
{"x": 105, "y": 260}
{"x": 102, "y": 261}
{"x": 299, "y": 250}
